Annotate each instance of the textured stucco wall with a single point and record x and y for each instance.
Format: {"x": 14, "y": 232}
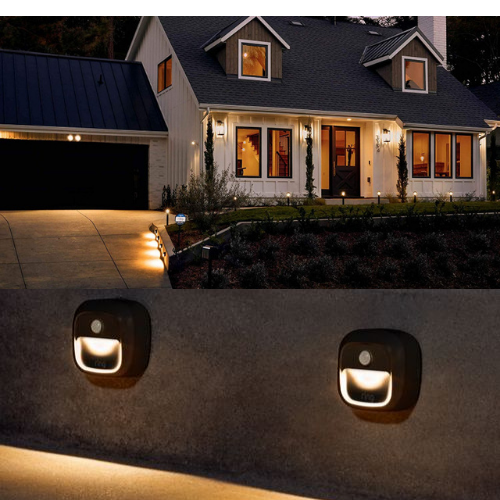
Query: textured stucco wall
{"x": 246, "y": 382}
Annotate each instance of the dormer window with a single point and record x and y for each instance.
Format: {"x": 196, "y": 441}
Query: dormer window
{"x": 254, "y": 60}
{"x": 415, "y": 75}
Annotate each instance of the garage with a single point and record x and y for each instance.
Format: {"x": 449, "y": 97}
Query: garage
{"x": 78, "y": 132}
{"x": 63, "y": 175}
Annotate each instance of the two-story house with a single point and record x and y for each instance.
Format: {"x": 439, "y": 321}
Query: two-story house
{"x": 262, "y": 80}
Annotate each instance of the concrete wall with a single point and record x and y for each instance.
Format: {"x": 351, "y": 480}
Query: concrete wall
{"x": 246, "y": 382}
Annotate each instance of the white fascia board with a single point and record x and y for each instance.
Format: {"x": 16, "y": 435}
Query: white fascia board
{"x": 241, "y": 25}
{"x": 445, "y": 128}
{"x": 228, "y": 108}
{"x": 85, "y": 131}
{"x": 138, "y": 33}
{"x": 391, "y": 56}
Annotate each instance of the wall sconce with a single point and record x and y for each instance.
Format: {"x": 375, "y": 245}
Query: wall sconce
{"x": 305, "y": 131}
{"x": 220, "y": 128}
{"x": 379, "y": 370}
{"x": 111, "y": 337}
{"x": 386, "y": 135}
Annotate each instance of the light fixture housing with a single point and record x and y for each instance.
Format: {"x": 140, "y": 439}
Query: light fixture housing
{"x": 220, "y": 129}
{"x": 386, "y": 135}
{"x": 379, "y": 370}
{"x": 111, "y": 338}
{"x": 70, "y": 137}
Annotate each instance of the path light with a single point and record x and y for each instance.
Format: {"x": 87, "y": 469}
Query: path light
{"x": 235, "y": 199}
{"x": 451, "y": 196}
{"x": 209, "y": 252}
{"x": 111, "y": 337}
{"x": 379, "y": 370}
{"x": 70, "y": 137}
{"x": 343, "y": 197}
{"x": 386, "y": 135}
{"x": 167, "y": 211}
{"x": 288, "y": 195}
{"x": 378, "y": 196}
{"x": 493, "y": 196}
{"x": 414, "y": 197}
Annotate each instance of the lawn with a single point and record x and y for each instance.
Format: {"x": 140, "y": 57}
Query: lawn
{"x": 426, "y": 248}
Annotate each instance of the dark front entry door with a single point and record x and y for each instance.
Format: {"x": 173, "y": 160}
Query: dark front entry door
{"x": 340, "y": 161}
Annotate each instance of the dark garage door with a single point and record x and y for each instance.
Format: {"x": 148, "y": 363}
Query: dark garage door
{"x": 50, "y": 175}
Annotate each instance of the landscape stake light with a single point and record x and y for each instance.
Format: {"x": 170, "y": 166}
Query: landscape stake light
{"x": 343, "y": 197}
{"x": 451, "y": 196}
{"x": 414, "y": 197}
{"x": 111, "y": 337}
{"x": 209, "y": 252}
{"x": 235, "y": 199}
{"x": 493, "y": 196}
{"x": 288, "y": 195}
{"x": 378, "y": 196}
{"x": 167, "y": 211}
{"x": 379, "y": 370}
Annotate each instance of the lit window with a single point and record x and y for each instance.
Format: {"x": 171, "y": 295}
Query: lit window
{"x": 254, "y": 60}
{"x": 279, "y": 157}
{"x": 442, "y": 163}
{"x": 248, "y": 152}
{"x": 421, "y": 149}
{"x": 464, "y": 156}
{"x": 414, "y": 75}
{"x": 165, "y": 74}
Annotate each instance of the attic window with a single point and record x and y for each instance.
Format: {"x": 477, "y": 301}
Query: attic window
{"x": 414, "y": 75}
{"x": 254, "y": 60}
{"x": 296, "y": 23}
{"x": 165, "y": 74}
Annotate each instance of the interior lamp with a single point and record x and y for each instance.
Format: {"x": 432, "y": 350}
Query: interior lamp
{"x": 111, "y": 338}
{"x": 386, "y": 135}
{"x": 379, "y": 370}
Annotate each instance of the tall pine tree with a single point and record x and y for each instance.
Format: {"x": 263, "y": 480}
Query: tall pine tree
{"x": 402, "y": 166}
{"x": 310, "y": 187}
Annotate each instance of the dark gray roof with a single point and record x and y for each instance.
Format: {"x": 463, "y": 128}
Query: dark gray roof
{"x": 490, "y": 95}
{"x": 63, "y": 91}
{"x": 224, "y": 31}
{"x": 321, "y": 72}
{"x": 389, "y": 45}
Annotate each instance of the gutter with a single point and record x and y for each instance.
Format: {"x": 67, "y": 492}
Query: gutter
{"x": 447, "y": 128}
{"x": 87, "y": 131}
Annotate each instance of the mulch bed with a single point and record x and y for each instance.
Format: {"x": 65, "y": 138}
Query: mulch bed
{"x": 370, "y": 259}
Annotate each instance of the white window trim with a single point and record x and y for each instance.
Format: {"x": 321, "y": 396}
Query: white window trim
{"x": 268, "y": 58}
{"x": 426, "y": 74}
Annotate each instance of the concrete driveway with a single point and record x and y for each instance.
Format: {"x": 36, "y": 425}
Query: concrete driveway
{"x": 80, "y": 249}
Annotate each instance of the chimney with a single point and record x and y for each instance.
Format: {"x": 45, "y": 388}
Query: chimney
{"x": 434, "y": 28}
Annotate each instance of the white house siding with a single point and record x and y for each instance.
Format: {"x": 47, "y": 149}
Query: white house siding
{"x": 156, "y": 163}
{"x": 178, "y": 103}
{"x": 432, "y": 187}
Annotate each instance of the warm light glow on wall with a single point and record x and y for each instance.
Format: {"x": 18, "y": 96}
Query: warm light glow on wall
{"x": 374, "y": 386}
{"x": 88, "y": 349}
{"x": 386, "y": 135}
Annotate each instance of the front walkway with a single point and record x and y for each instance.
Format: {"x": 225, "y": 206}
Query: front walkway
{"x": 80, "y": 249}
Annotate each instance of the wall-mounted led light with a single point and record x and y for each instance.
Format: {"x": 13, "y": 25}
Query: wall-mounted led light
{"x": 379, "y": 370}
{"x": 111, "y": 338}
{"x": 220, "y": 129}
{"x": 386, "y": 135}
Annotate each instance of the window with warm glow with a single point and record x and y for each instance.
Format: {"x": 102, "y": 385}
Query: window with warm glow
{"x": 254, "y": 60}
{"x": 279, "y": 155}
{"x": 414, "y": 75}
{"x": 421, "y": 151}
{"x": 165, "y": 74}
{"x": 442, "y": 156}
{"x": 463, "y": 162}
{"x": 248, "y": 147}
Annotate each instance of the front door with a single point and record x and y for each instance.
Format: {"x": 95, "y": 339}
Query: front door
{"x": 340, "y": 165}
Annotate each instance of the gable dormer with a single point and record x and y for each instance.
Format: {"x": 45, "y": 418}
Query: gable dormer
{"x": 249, "y": 49}
{"x": 407, "y": 61}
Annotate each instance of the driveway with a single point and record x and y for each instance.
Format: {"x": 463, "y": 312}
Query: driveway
{"x": 80, "y": 249}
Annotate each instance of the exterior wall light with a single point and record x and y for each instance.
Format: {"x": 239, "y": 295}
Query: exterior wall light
{"x": 379, "y": 370}
{"x": 306, "y": 132}
{"x": 111, "y": 338}
{"x": 220, "y": 128}
{"x": 386, "y": 135}
{"x": 78, "y": 138}
{"x": 70, "y": 137}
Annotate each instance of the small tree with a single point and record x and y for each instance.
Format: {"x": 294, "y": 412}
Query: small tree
{"x": 310, "y": 187}
{"x": 209, "y": 147}
{"x": 493, "y": 165}
{"x": 402, "y": 183}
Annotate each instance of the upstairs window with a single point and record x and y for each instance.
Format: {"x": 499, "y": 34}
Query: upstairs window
{"x": 414, "y": 75}
{"x": 254, "y": 60}
{"x": 165, "y": 74}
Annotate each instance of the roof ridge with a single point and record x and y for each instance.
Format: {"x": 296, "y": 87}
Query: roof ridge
{"x": 393, "y": 36}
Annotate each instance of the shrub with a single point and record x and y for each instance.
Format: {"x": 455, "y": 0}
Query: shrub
{"x": 254, "y": 276}
{"x": 477, "y": 242}
{"x": 335, "y": 245}
{"x": 240, "y": 252}
{"x": 219, "y": 279}
{"x": 392, "y": 198}
{"x": 398, "y": 246}
{"x": 268, "y": 249}
{"x": 387, "y": 270}
{"x": 432, "y": 242}
{"x": 480, "y": 264}
{"x": 367, "y": 244}
{"x": 417, "y": 270}
{"x": 294, "y": 273}
{"x": 321, "y": 269}
{"x": 445, "y": 266}
{"x": 304, "y": 244}
{"x": 207, "y": 195}
{"x": 356, "y": 272}
{"x": 254, "y": 232}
